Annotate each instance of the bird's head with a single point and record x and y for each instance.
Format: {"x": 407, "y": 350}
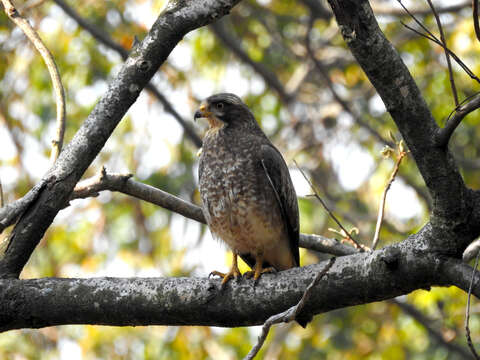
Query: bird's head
{"x": 225, "y": 109}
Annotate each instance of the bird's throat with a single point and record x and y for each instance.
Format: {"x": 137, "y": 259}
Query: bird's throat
{"x": 214, "y": 125}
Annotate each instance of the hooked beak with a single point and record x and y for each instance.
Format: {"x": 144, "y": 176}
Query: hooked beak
{"x": 202, "y": 112}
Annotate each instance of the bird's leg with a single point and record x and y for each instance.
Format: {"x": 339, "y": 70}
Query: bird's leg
{"x": 258, "y": 269}
{"x": 233, "y": 273}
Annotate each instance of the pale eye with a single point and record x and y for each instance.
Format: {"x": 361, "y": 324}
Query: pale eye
{"x": 220, "y": 106}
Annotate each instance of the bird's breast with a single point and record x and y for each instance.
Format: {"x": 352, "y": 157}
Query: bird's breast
{"x": 238, "y": 202}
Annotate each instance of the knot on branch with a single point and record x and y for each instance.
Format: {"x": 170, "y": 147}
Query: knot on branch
{"x": 391, "y": 258}
{"x": 143, "y": 65}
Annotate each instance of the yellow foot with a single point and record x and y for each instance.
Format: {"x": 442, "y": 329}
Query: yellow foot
{"x": 258, "y": 272}
{"x": 233, "y": 273}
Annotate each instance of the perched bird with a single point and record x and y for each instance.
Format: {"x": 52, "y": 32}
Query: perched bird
{"x": 248, "y": 198}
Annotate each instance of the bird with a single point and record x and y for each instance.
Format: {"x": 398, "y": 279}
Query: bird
{"x": 248, "y": 198}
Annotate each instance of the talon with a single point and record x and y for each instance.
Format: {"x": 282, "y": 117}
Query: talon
{"x": 258, "y": 269}
{"x": 217, "y": 273}
{"x": 233, "y": 273}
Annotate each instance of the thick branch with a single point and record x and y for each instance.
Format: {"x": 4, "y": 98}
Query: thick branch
{"x": 352, "y": 280}
{"x": 178, "y": 19}
{"x": 402, "y": 98}
{"x": 459, "y": 274}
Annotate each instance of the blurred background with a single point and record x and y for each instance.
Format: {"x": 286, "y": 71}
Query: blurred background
{"x": 288, "y": 62}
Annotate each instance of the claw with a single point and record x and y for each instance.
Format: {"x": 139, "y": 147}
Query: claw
{"x": 258, "y": 270}
{"x": 217, "y": 273}
{"x": 233, "y": 273}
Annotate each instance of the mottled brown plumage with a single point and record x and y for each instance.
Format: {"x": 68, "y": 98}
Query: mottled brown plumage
{"x": 247, "y": 195}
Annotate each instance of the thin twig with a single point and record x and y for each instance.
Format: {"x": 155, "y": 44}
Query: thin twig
{"x": 123, "y": 183}
{"x": 32, "y": 35}
{"x": 290, "y": 314}
{"x": 452, "y": 54}
{"x": 475, "y": 19}
{"x": 430, "y": 36}
{"x": 379, "y": 9}
{"x": 455, "y": 118}
{"x": 467, "y": 313}
{"x": 347, "y": 233}
{"x": 381, "y": 208}
{"x": 447, "y": 55}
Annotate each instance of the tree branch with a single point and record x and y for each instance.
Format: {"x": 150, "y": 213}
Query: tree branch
{"x": 471, "y": 251}
{"x": 380, "y": 9}
{"x": 459, "y": 274}
{"x": 319, "y": 11}
{"x": 173, "y": 23}
{"x": 442, "y": 136}
{"x": 352, "y": 280}
{"x": 402, "y": 98}
{"x": 125, "y": 184}
{"x": 47, "y": 57}
{"x": 103, "y": 38}
{"x": 11, "y": 212}
{"x": 447, "y": 54}
{"x": 292, "y": 313}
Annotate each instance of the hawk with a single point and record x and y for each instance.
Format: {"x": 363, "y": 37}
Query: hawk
{"x": 248, "y": 198}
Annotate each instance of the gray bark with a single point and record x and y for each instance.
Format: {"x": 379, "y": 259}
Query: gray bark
{"x": 178, "y": 19}
{"x": 353, "y": 280}
{"x": 429, "y": 258}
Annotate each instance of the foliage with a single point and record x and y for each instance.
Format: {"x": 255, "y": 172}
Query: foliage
{"x": 116, "y": 235}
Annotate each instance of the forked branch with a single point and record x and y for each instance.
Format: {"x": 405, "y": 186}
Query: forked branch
{"x": 444, "y": 134}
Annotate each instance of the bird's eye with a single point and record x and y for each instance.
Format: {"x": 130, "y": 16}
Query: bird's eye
{"x": 220, "y": 106}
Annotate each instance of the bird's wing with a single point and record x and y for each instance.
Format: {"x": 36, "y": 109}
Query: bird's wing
{"x": 279, "y": 179}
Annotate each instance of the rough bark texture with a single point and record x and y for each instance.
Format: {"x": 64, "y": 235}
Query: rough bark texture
{"x": 452, "y": 201}
{"x": 179, "y": 18}
{"x": 428, "y": 258}
{"x": 353, "y": 280}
